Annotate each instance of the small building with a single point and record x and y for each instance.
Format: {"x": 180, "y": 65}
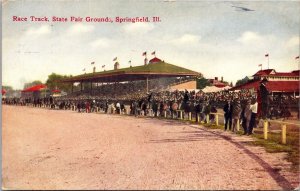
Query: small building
{"x": 217, "y": 83}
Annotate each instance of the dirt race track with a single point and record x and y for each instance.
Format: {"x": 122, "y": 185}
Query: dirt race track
{"x": 47, "y": 149}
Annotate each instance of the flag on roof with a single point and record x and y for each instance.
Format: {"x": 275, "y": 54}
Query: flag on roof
{"x": 115, "y": 58}
{"x": 297, "y": 57}
{"x": 260, "y": 65}
{"x": 103, "y": 66}
{"x": 266, "y": 55}
{"x": 153, "y": 53}
{"x": 92, "y": 62}
{"x": 145, "y": 53}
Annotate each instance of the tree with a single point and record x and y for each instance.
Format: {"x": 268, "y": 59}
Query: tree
{"x": 242, "y": 81}
{"x": 30, "y": 84}
{"x": 202, "y": 82}
{"x": 7, "y": 88}
{"x": 53, "y": 82}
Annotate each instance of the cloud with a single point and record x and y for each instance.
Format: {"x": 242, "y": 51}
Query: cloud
{"x": 250, "y": 37}
{"x": 138, "y": 28}
{"x": 101, "y": 42}
{"x": 79, "y": 29}
{"x": 293, "y": 41}
{"x": 186, "y": 39}
{"x": 42, "y": 30}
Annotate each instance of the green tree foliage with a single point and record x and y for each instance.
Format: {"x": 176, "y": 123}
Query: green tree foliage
{"x": 242, "y": 81}
{"x": 7, "y": 88}
{"x": 202, "y": 82}
{"x": 53, "y": 82}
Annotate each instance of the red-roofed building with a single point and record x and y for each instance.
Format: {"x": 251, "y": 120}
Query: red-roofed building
{"x": 34, "y": 91}
{"x": 272, "y": 75}
{"x": 217, "y": 83}
{"x": 277, "y": 81}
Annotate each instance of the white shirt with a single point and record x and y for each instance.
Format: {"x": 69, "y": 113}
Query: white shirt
{"x": 253, "y": 107}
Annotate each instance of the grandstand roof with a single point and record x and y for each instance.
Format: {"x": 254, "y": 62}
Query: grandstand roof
{"x": 155, "y": 70}
{"x": 272, "y": 72}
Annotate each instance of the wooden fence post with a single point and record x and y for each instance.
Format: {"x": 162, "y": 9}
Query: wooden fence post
{"x": 238, "y": 125}
{"x": 165, "y": 114}
{"x": 217, "y": 119}
{"x": 207, "y": 118}
{"x": 190, "y": 116}
{"x": 266, "y": 129}
{"x": 283, "y": 133}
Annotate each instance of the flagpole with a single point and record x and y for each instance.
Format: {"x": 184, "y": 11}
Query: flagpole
{"x": 268, "y": 60}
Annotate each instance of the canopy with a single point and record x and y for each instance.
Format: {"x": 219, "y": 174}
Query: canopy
{"x": 35, "y": 88}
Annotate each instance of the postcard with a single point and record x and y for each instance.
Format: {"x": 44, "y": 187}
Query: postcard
{"x": 150, "y": 94}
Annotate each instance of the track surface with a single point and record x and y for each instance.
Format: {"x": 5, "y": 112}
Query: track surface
{"x": 47, "y": 149}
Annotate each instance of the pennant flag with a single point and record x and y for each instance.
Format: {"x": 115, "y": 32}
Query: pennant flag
{"x": 267, "y": 55}
{"x": 92, "y": 63}
{"x": 115, "y": 58}
{"x": 260, "y": 65}
{"x": 145, "y": 53}
{"x": 129, "y": 61}
{"x": 103, "y": 66}
{"x": 153, "y": 53}
{"x": 297, "y": 57}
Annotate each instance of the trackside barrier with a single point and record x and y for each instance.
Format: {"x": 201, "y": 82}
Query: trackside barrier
{"x": 283, "y": 129}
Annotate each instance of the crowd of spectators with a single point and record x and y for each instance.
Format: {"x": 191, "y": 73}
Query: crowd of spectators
{"x": 237, "y": 106}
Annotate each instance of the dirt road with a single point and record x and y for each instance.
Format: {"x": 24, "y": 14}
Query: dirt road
{"x": 47, "y": 149}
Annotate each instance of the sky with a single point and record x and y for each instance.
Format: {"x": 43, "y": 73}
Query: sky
{"x": 215, "y": 38}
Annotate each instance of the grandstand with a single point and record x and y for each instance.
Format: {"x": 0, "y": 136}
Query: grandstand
{"x": 152, "y": 76}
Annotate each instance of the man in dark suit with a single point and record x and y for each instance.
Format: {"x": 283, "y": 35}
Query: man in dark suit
{"x": 264, "y": 98}
{"x": 228, "y": 114}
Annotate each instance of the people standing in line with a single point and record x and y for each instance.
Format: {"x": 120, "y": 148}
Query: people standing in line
{"x": 253, "y": 108}
{"x": 228, "y": 114}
